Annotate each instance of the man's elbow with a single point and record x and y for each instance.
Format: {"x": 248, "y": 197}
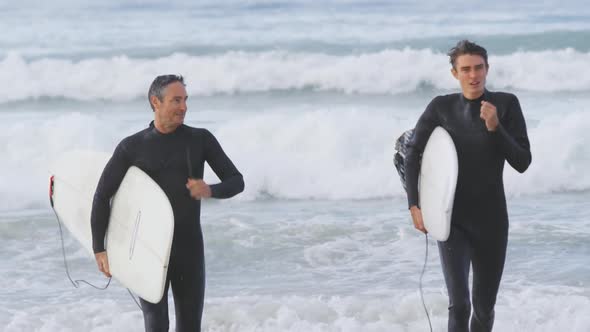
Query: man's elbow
{"x": 240, "y": 184}
{"x": 524, "y": 164}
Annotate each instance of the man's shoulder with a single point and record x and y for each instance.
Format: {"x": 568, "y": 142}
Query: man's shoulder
{"x": 196, "y": 132}
{"x": 136, "y": 137}
{"x": 443, "y": 101}
{"x": 501, "y": 96}
{"x": 446, "y": 98}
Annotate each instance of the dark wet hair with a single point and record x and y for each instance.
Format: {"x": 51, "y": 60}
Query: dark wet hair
{"x": 159, "y": 84}
{"x": 467, "y": 47}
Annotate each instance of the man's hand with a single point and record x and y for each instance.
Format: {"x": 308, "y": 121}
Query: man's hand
{"x": 198, "y": 188}
{"x": 489, "y": 115}
{"x": 103, "y": 263}
{"x": 417, "y": 219}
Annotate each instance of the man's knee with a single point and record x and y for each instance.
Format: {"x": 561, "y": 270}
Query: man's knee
{"x": 483, "y": 308}
{"x": 460, "y": 311}
{"x": 483, "y": 318}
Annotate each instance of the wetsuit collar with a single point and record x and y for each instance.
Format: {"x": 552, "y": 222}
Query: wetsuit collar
{"x": 155, "y": 130}
{"x": 478, "y": 100}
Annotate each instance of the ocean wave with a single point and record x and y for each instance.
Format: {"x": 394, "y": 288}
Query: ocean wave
{"x": 386, "y": 72}
{"x": 348, "y": 155}
{"x": 328, "y": 154}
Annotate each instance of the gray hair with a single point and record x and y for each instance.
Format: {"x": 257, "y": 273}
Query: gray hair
{"x": 466, "y": 47}
{"x": 159, "y": 85}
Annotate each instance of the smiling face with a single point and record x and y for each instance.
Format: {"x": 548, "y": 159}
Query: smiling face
{"x": 170, "y": 111}
{"x": 471, "y": 72}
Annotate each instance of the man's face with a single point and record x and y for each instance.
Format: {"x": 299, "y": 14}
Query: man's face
{"x": 471, "y": 71}
{"x": 171, "y": 110}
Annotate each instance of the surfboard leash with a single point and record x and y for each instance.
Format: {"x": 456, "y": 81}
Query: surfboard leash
{"x": 75, "y": 283}
{"x": 420, "y": 283}
{"x": 134, "y": 299}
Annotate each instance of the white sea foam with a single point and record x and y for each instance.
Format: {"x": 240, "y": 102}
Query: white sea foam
{"x": 534, "y": 309}
{"x": 334, "y": 153}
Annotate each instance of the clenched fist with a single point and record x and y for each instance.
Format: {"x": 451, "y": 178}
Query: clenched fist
{"x": 198, "y": 188}
{"x": 489, "y": 115}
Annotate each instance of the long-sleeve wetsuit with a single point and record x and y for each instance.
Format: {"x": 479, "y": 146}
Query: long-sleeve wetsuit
{"x": 164, "y": 157}
{"x": 479, "y": 223}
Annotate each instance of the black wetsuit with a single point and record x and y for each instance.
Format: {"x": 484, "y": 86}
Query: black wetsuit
{"x": 164, "y": 157}
{"x": 479, "y": 227}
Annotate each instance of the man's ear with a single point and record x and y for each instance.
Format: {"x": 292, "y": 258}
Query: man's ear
{"x": 155, "y": 102}
{"x": 454, "y": 72}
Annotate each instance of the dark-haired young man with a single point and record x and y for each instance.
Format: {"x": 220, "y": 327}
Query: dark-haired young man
{"x": 488, "y": 128}
{"x": 162, "y": 151}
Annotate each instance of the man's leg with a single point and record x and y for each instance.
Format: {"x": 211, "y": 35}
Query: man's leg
{"x": 455, "y": 259}
{"x": 155, "y": 316}
{"x": 188, "y": 288}
{"x": 489, "y": 255}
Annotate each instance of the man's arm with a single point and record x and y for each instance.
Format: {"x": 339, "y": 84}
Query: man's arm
{"x": 424, "y": 128}
{"x": 232, "y": 181}
{"x": 109, "y": 182}
{"x": 513, "y": 139}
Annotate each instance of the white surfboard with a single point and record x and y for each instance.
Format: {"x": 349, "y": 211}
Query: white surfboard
{"x": 141, "y": 224}
{"x": 437, "y": 183}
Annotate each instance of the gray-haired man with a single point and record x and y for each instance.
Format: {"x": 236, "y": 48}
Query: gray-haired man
{"x": 163, "y": 151}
